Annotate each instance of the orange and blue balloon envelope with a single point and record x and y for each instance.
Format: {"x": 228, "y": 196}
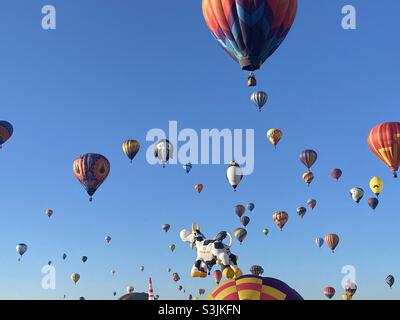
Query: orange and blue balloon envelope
{"x": 252, "y": 287}
{"x": 384, "y": 142}
{"x": 91, "y": 169}
{"x": 308, "y": 177}
{"x": 373, "y": 203}
{"x": 329, "y": 292}
{"x": 308, "y": 158}
{"x": 240, "y": 234}
{"x": 331, "y": 240}
{"x": 6, "y": 131}
{"x": 250, "y": 31}
{"x": 319, "y": 242}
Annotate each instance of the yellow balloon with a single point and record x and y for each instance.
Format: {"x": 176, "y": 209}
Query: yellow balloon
{"x": 346, "y": 296}
{"x": 75, "y": 277}
{"x": 376, "y": 185}
{"x": 274, "y": 136}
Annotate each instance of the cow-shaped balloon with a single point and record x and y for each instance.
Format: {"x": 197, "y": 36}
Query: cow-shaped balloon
{"x": 211, "y": 252}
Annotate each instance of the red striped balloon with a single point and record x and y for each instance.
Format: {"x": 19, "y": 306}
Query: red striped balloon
{"x": 329, "y": 292}
{"x": 384, "y": 142}
{"x": 332, "y": 240}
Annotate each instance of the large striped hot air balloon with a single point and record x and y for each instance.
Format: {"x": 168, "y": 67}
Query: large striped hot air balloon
{"x": 280, "y": 218}
{"x": 240, "y": 234}
{"x": 91, "y": 169}
{"x": 6, "y": 131}
{"x": 308, "y": 158}
{"x": 384, "y": 142}
{"x": 249, "y": 31}
{"x": 331, "y": 240}
{"x": 252, "y": 287}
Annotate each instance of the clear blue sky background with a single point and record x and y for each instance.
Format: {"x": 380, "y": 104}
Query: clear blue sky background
{"x": 115, "y": 69}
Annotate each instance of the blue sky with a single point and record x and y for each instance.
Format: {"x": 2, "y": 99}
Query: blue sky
{"x": 114, "y": 70}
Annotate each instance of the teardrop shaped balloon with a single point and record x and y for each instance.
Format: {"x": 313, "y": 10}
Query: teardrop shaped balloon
{"x": 108, "y": 239}
{"x": 131, "y": 148}
{"x": 251, "y": 206}
{"x": 234, "y": 174}
{"x": 390, "y": 280}
{"x": 240, "y": 210}
{"x": 331, "y": 240}
{"x": 141, "y": 268}
{"x": 75, "y": 277}
{"x": 356, "y": 194}
{"x": 198, "y": 187}
{"x": 373, "y": 203}
{"x": 249, "y": 31}
{"x": 49, "y": 212}
{"x": 308, "y": 177}
{"x": 245, "y": 220}
{"x": 312, "y": 203}
{"x": 84, "y": 259}
{"x": 64, "y": 256}
{"x": 336, "y": 174}
{"x": 301, "y": 211}
{"x": 240, "y": 234}
{"x": 187, "y": 167}
{"x": 172, "y": 247}
{"x": 274, "y": 136}
{"x": 163, "y": 151}
{"x": 256, "y": 270}
{"x": 376, "y": 185}
{"x": 308, "y": 158}
{"x": 91, "y": 169}
{"x": 280, "y": 218}
{"x": 384, "y": 142}
{"x": 319, "y": 242}
{"x": 259, "y": 98}
{"x": 217, "y": 275}
{"x": 265, "y": 231}
{"x": 113, "y": 272}
{"x": 350, "y": 288}
{"x": 6, "y": 131}
{"x": 329, "y": 292}
{"x": 130, "y": 289}
{"x": 166, "y": 227}
{"x": 21, "y": 248}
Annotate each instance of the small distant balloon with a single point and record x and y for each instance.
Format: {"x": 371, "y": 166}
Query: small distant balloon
{"x": 256, "y": 270}
{"x": 245, "y": 220}
{"x": 312, "y": 203}
{"x": 376, "y": 185}
{"x": 265, "y": 231}
{"x": 259, "y": 98}
{"x": 331, "y": 240}
{"x": 49, "y": 212}
{"x": 198, "y": 187}
{"x": 163, "y": 151}
{"x": 274, "y": 136}
{"x": 308, "y": 177}
{"x": 280, "y": 218}
{"x": 373, "y": 203}
{"x": 234, "y": 174}
{"x": 356, "y": 194}
{"x": 240, "y": 210}
{"x": 175, "y": 277}
{"x": 75, "y": 277}
{"x": 131, "y": 148}
{"x": 301, "y": 211}
{"x": 187, "y": 167}
{"x": 336, "y": 174}
{"x": 64, "y": 256}
{"x": 130, "y": 289}
{"x": 84, "y": 259}
{"x": 217, "y": 275}
{"x": 390, "y": 280}
{"x": 141, "y": 268}
{"x": 172, "y": 247}
{"x": 108, "y": 239}
{"x": 308, "y": 158}
{"x": 250, "y": 206}
{"x": 319, "y": 242}
{"x": 240, "y": 234}
{"x": 329, "y": 292}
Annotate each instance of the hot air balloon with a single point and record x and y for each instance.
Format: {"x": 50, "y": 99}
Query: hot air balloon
{"x": 176, "y": 277}
{"x": 21, "y": 249}
{"x": 346, "y": 297}
{"x": 172, "y": 247}
{"x": 49, "y": 212}
{"x": 180, "y": 288}
{"x": 169, "y": 270}
{"x": 82, "y": 298}
{"x": 356, "y": 194}
{"x": 108, "y": 239}
{"x": 64, "y": 256}
{"x": 373, "y": 203}
{"x": 319, "y": 242}
{"x": 245, "y": 220}
{"x": 390, "y": 280}
{"x": 91, "y": 170}
{"x": 329, "y": 292}
{"x": 187, "y": 167}
{"x": 75, "y": 277}
{"x": 198, "y": 187}
{"x": 114, "y": 293}
{"x": 280, "y": 218}
{"x": 308, "y": 158}
{"x": 308, "y": 177}
{"x": 49, "y": 263}
{"x": 166, "y": 227}
{"x": 384, "y": 142}
{"x": 312, "y": 203}
{"x": 250, "y": 32}
{"x": 202, "y": 291}
{"x": 265, "y": 231}
{"x": 234, "y": 174}
{"x": 251, "y": 206}
{"x": 131, "y": 148}
{"x": 376, "y": 185}
{"x": 113, "y": 272}
{"x": 130, "y": 289}
{"x": 239, "y": 210}
{"x": 163, "y": 151}
{"x": 301, "y": 211}
{"x": 350, "y": 288}
{"x": 274, "y": 136}
{"x": 84, "y": 259}
{"x": 240, "y": 234}
{"x": 336, "y": 174}
{"x": 259, "y": 98}
{"x": 331, "y": 240}
{"x": 256, "y": 270}
{"x": 6, "y": 131}
{"x": 141, "y": 268}
{"x": 252, "y": 287}
{"x": 217, "y": 275}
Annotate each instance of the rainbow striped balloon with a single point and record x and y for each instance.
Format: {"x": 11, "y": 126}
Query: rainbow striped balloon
{"x": 252, "y": 287}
